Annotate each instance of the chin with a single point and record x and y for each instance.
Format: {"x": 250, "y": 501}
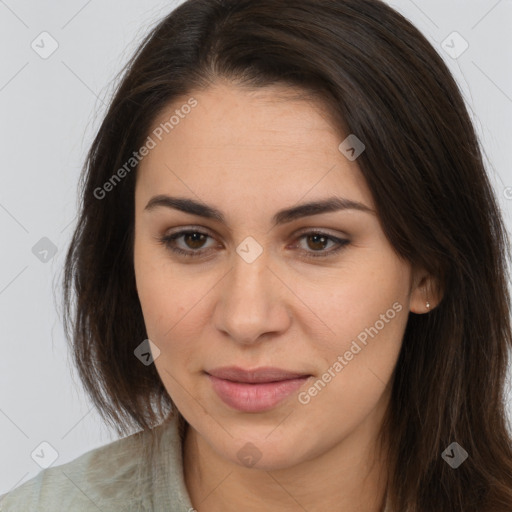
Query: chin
{"x": 265, "y": 452}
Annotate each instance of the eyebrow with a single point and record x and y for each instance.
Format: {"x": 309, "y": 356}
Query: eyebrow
{"x": 331, "y": 204}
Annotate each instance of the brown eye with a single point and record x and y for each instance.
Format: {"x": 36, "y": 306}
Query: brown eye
{"x": 194, "y": 240}
{"x": 318, "y": 242}
{"x": 193, "y": 243}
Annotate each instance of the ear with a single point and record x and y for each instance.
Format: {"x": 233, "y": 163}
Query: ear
{"x": 425, "y": 290}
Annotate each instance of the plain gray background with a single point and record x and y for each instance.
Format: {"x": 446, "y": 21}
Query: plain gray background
{"x": 51, "y": 106}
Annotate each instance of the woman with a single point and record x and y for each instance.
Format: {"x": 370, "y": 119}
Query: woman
{"x": 290, "y": 275}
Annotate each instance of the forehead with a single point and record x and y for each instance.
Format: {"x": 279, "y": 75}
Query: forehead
{"x": 235, "y": 140}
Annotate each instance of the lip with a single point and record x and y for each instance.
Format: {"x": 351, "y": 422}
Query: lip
{"x": 258, "y": 375}
{"x": 255, "y": 390}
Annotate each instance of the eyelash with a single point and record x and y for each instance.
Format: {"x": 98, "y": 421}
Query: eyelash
{"x": 167, "y": 242}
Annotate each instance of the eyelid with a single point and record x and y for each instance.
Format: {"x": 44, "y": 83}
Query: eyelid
{"x": 320, "y": 231}
{"x": 168, "y": 238}
{"x": 207, "y": 231}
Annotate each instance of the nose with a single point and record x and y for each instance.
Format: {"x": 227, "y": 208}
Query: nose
{"x": 252, "y": 302}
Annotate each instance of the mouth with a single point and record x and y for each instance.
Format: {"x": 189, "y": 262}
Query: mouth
{"x": 256, "y": 390}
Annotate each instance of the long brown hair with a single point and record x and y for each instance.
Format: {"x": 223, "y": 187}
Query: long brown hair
{"x": 382, "y": 80}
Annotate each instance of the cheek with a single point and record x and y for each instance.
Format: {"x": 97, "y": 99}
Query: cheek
{"x": 356, "y": 300}
{"x": 365, "y": 309}
{"x": 163, "y": 305}
{"x": 160, "y": 302}
{"x": 166, "y": 317}
{"x": 171, "y": 304}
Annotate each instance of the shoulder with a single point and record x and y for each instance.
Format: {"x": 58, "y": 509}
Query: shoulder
{"x": 109, "y": 478}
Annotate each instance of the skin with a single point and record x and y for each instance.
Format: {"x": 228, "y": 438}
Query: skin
{"x": 251, "y": 153}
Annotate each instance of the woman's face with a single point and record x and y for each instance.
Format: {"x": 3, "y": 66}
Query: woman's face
{"x": 317, "y": 293}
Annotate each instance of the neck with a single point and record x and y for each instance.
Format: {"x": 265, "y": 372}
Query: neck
{"x": 349, "y": 477}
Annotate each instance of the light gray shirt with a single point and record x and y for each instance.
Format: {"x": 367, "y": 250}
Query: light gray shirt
{"x": 121, "y": 476}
